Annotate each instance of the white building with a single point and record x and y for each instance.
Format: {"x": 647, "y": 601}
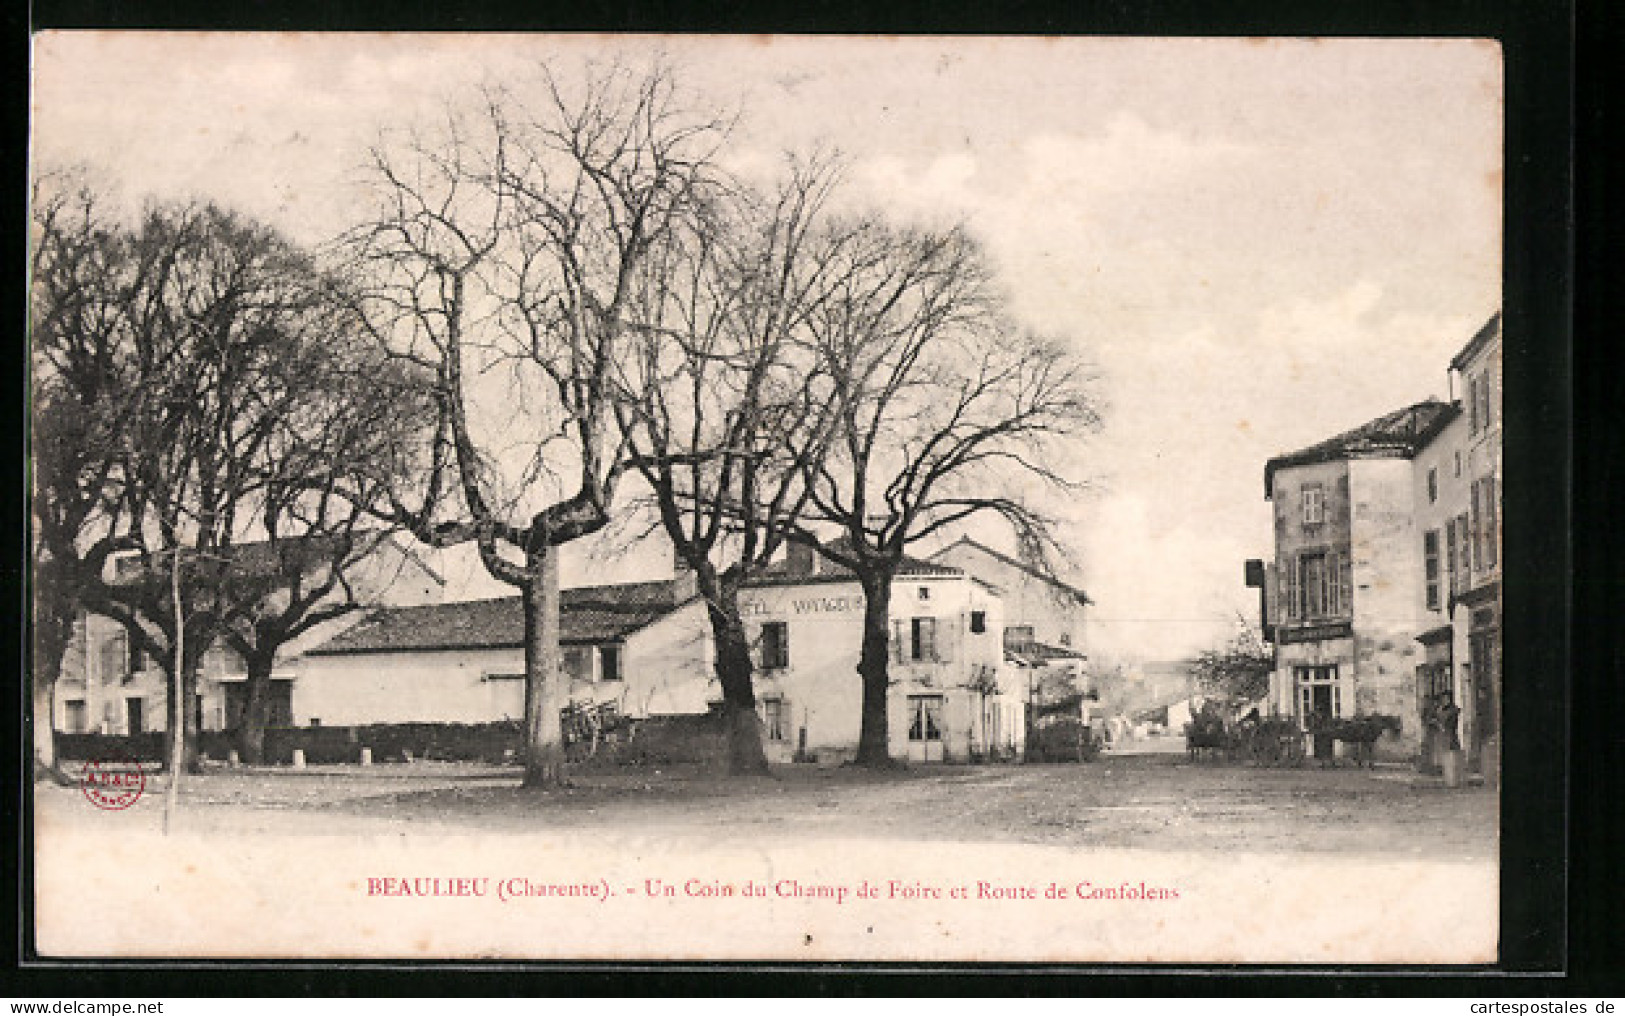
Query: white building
{"x": 1038, "y": 608}
{"x": 107, "y": 685}
{"x": 647, "y": 647}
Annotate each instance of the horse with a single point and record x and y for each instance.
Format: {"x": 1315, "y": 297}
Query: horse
{"x": 1206, "y": 734}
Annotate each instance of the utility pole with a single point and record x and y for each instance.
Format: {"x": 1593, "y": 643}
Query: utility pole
{"x": 177, "y": 701}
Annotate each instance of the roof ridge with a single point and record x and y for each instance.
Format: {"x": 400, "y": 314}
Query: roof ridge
{"x": 1014, "y": 563}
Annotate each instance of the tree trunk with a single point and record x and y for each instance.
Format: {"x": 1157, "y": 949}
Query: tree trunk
{"x": 194, "y": 726}
{"x": 256, "y": 708}
{"x": 186, "y": 695}
{"x": 44, "y": 729}
{"x": 733, "y": 667}
{"x": 544, "y": 734}
{"x": 50, "y": 646}
{"x": 874, "y": 736}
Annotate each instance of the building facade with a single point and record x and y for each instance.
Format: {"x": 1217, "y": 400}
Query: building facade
{"x": 107, "y": 685}
{"x": 1472, "y": 455}
{"x": 1384, "y": 595}
{"x": 646, "y": 647}
{"x": 1038, "y": 608}
{"x": 465, "y": 662}
{"x": 1347, "y": 574}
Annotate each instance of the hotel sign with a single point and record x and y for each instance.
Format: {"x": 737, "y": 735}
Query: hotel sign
{"x": 1314, "y": 633}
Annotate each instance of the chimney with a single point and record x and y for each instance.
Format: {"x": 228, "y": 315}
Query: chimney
{"x": 800, "y": 559}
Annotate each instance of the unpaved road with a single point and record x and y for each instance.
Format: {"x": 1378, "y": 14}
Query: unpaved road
{"x": 1143, "y": 802}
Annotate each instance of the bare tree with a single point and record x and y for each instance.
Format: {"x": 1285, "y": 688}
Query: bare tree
{"x": 73, "y": 447}
{"x": 947, "y": 412}
{"x": 504, "y": 249}
{"x": 344, "y": 438}
{"x": 727, "y": 409}
{"x": 181, "y": 346}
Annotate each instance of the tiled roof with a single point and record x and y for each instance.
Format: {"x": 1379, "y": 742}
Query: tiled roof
{"x": 262, "y": 558}
{"x": 1491, "y": 330}
{"x": 589, "y": 614}
{"x": 1037, "y": 654}
{"x": 1399, "y": 434}
{"x": 793, "y": 572}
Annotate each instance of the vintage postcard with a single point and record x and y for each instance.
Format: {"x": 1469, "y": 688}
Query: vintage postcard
{"x": 761, "y": 499}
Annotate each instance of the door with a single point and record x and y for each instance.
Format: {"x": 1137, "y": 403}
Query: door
{"x": 1484, "y": 671}
{"x": 134, "y": 715}
{"x": 925, "y": 728}
{"x": 1319, "y": 700}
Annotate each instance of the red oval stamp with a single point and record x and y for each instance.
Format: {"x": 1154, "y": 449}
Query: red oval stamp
{"x": 113, "y": 783}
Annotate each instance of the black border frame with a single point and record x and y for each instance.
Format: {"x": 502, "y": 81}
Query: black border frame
{"x": 1537, "y": 37}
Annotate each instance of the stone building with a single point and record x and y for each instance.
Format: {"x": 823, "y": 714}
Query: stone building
{"x": 1459, "y": 516}
{"x": 1385, "y": 589}
{"x": 1348, "y": 572}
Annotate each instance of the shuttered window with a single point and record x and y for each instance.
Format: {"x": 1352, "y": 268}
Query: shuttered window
{"x": 775, "y": 645}
{"x": 1318, "y": 585}
{"x": 1492, "y": 523}
{"x": 1430, "y": 566}
{"x": 923, "y": 638}
{"x": 1314, "y": 504}
{"x": 1450, "y": 566}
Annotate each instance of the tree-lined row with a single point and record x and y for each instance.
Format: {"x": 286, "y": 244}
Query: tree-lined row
{"x": 560, "y": 309}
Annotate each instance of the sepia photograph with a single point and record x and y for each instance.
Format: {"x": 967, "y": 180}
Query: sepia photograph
{"x": 766, "y": 499}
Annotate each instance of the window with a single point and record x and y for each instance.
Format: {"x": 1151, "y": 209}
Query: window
{"x": 775, "y": 719}
{"x": 576, "y": 662}
{"x": 1018, "y": 636}
{"x": 1319, "y": 693}
{"x": 1466, "y": 548}
{"x": 609, "y": 663}
{"x": 923, "y": 638}
{"x": 925, "y": 592}
{"x": 1432, "y": 680}
{"x": 925, "y": 717}
{"x": 775, "y": 645}
{"x": 1472, "y": 405}
{"x": 138, "y": 661}
{"x": 1317, "y": 585}
{"x": 77, "y": 718}
{"x": 1450, "y": 567}
{"x": 115, "y": 657}
{"x": 978, "y": 622}
{"x": 1430, "y": 566}
{"x": 1314, "y": 504}
{"x": 1433, "y": 485}
{"x": 1485, "y": 523}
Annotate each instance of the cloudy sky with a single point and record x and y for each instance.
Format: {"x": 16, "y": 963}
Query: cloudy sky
{"x": 1258, "y": 242}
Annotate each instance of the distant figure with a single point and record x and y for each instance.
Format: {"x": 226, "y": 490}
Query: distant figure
{"x": 1320, "y": 722}
{"x": 1447, "y": 716}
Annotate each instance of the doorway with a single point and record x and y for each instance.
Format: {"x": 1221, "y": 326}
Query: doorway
{"x": 925, "y": 728}
{"x": 134, "y": 716}
{"x": 1320, "y": 698}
